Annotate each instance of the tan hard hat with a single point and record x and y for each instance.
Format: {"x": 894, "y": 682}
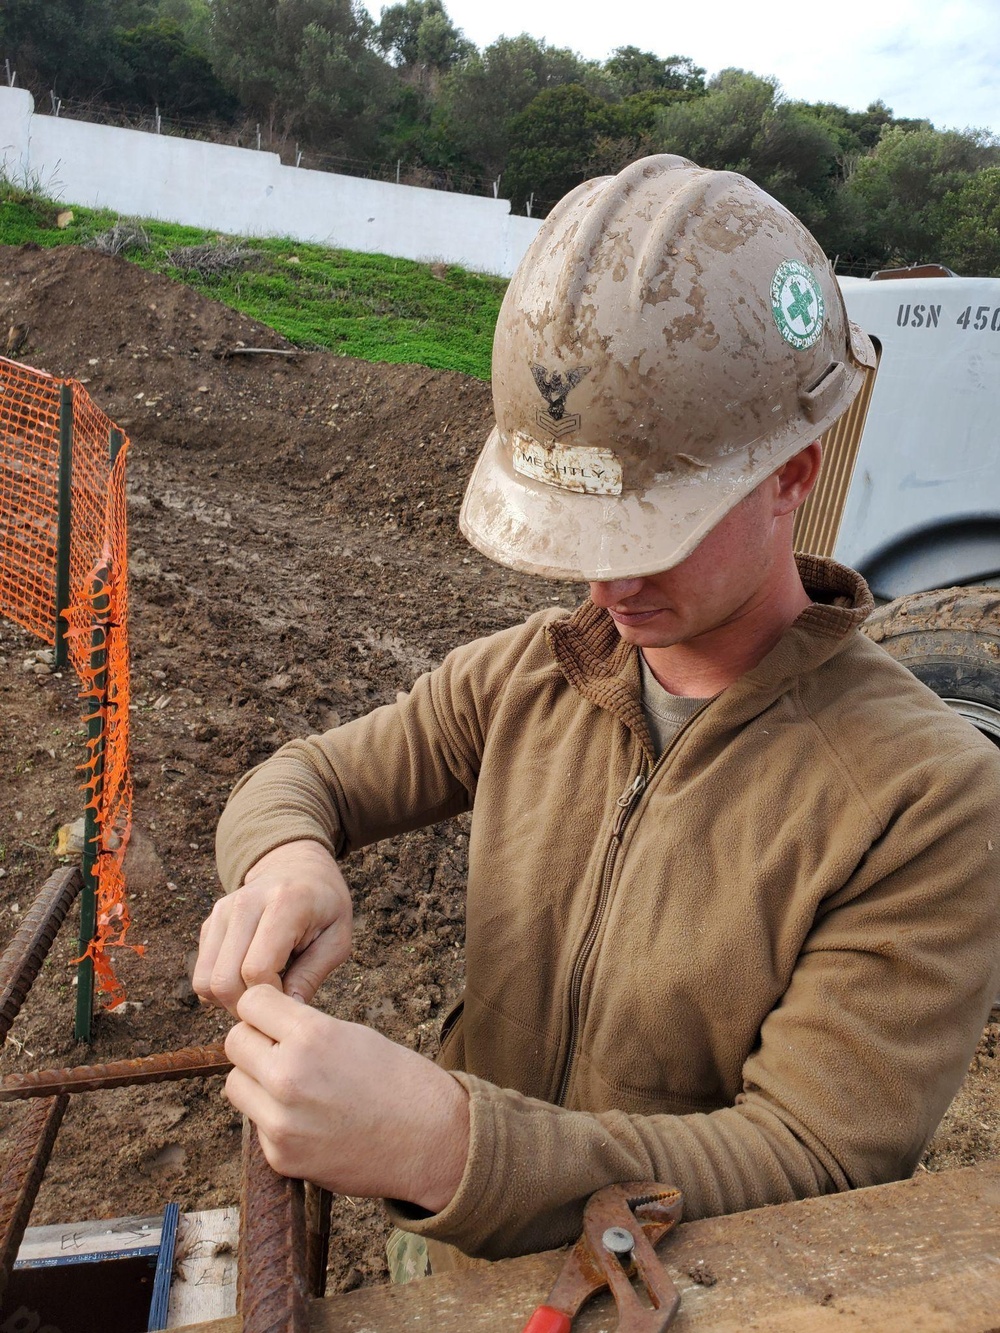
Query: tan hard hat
{"x": 671, "y": 337}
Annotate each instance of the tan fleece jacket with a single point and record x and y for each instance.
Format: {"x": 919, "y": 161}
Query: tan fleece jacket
{"x": 756, "y": 968}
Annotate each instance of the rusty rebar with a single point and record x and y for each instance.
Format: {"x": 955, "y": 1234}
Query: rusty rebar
{"x": 23, "y": 958}
{"x": 190, "y": 1062}
{"x": 22, "y": 1175}
{"x": 318, "y": 1204}
{"x": 273, "y": 1283}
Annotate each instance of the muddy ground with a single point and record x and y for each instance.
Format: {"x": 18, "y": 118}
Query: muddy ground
{"x": 294, "y": 561}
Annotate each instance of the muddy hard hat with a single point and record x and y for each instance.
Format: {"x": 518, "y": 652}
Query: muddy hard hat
{"x": 671, "y": 337}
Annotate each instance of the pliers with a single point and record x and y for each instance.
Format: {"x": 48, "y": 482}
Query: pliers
{"x": 621, "y": 1224}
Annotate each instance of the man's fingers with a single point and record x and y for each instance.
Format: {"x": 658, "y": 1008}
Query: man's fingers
{"x": 272, "y": 944}
{"x": 213, "y": 932}
{"x": 247, "y": 1095}
{"x": 227, "y": 980}
{"x": 249, "y": 1049}
{"x": 275, "y": 1015}
{"x": 309, "y": 969}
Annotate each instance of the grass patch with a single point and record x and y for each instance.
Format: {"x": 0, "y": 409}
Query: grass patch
{"x": 367, "y": 306}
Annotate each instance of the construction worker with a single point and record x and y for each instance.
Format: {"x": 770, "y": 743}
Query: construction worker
{"x": 733, "y": 897}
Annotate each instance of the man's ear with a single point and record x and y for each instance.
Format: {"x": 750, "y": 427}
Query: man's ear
{"x": 797, "y": 477}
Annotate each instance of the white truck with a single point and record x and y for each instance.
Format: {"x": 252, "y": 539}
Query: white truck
{"x": 909, "y": 494}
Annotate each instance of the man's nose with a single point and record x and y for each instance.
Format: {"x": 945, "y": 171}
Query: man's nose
{"x": 614, "y": 591}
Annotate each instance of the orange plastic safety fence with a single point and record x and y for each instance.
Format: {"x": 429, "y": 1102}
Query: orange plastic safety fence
{"x": 96, "y": 617}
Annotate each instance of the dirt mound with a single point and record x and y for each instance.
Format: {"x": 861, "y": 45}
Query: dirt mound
{"x": 169, "y": 366}
{"x": 294, "y": 560}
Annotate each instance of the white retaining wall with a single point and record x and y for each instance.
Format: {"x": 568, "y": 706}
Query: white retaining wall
{"x": 248, "y": 193}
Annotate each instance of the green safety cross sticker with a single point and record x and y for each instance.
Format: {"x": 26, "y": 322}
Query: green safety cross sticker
{"x": 797, "y": 303}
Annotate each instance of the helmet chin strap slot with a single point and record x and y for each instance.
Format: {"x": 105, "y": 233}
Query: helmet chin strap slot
{"x": 817, "y": 400}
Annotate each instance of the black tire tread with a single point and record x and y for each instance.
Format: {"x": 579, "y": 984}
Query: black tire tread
{"x": 963, "y": 610}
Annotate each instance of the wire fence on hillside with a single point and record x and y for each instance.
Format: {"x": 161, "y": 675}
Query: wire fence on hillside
{"x": 256, "y": 135}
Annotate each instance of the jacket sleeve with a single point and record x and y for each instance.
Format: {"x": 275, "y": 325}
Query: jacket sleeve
{"x": 405, "y": 765}
{"x": 854, "y": 1067}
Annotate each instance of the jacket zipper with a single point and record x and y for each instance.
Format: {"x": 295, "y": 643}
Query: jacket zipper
{"x": 625, "y": 805}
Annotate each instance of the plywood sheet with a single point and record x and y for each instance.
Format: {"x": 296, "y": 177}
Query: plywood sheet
{"x": 921, "y": 1256}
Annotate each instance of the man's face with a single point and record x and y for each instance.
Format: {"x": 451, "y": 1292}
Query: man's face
{"x": 724, "y": 578}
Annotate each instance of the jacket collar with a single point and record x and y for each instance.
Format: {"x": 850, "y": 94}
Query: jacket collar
{"x": 605, "y": 669}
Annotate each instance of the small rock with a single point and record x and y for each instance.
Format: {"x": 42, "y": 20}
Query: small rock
{"x": 280, "y": 684}
{"x": 702, "y": 1273}
{"x": 64, "y": 218}
{"x": 69, "y": 838}
{"x": 144, "y": 872}
{"x": 183, "y": 992}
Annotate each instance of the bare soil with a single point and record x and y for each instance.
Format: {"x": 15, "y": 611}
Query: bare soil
{"x": 294, "y": 561}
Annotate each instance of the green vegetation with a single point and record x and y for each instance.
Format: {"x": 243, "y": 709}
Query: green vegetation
{"x": 409, "y": 97}
{"x": 368, "y": 306}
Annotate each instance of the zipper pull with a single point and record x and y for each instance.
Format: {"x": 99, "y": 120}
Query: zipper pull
{"x": 625, "y": 802}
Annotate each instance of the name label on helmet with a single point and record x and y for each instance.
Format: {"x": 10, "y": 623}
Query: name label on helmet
{"x": 571, "y": 467}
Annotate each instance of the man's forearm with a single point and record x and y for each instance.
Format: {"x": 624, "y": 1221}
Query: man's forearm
{"x": 532, "y": 1166}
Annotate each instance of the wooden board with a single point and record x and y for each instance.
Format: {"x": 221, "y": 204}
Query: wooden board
{"x": 921, "y": 1256}
{"x": 204, "y": 1284}
{"x": 90, "y": 1240}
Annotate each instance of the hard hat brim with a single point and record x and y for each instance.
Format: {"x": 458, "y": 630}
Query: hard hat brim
{"x": 538, "y": 528}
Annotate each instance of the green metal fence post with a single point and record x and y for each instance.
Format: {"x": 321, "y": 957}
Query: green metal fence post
{"x": 101, "y": 601}
{"x": 64, "y": 520}
{"x": 115, "y": 441}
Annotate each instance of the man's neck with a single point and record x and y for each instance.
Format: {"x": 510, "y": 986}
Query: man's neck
{"x": 703, "y": 667}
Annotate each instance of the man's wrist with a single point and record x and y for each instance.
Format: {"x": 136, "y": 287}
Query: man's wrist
{"x": 441, "y": 1150}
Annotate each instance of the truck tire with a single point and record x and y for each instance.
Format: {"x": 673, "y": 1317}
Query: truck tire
{"x": 949, "y": 639}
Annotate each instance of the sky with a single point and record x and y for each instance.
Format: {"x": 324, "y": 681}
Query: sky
{"x": 937, "y": 60}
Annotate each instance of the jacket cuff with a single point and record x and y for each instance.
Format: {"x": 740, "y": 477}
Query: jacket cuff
{"x": 462, "y": 1222}
{"x": 239, "y": 848}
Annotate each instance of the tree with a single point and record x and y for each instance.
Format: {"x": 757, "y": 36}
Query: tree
{"x": 902, "y": 183}
{"x": 159, "y": 67}
{"x": 67, "y": 45}
{"x": 858, "y": 131}
{"x": 479, "y": 97}
{"x": 419, "y": 33}
{"x": 193, "y": 17}
{"x": 970, "y": 225}
{"x": 743, "y": 124}
{"x": 306, "y": 66}
{"x": 553, "y": 140}
{"x": 631, "y": 71}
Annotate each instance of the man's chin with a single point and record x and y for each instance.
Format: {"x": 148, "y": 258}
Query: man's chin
{"x": 647, "y": 633}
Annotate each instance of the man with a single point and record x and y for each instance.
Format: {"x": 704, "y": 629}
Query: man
{"x": 733, "y": 900}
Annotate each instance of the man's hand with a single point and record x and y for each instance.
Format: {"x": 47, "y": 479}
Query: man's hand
{"x": 293, "y": 911}
{"x": 344, "y": 1107}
